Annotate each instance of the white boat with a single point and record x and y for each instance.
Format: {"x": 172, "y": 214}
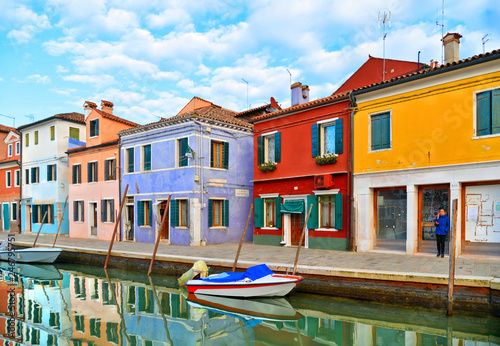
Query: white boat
{"x": 31, "y": 255}
{"x": 257, "y": 281}
{"x": 43, "y": 272}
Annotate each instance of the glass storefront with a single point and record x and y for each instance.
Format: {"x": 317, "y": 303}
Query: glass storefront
{"x": 391, "y": 214}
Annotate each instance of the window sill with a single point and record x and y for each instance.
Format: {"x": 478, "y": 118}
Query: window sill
{"x": 180, "y": 227}
{"x": 78, "y": 222}
{"x": 270, "y": 228}
{"x": 218, "y": 227}
{"x": 486, "y": 136}
{"x": 379, "y": 150}
{"x": 218, "y": 169}
{"x": 146, "y": 226}
{"x": 110, "y": 181}
{"x": 109, "y": 222}
{"x": 93, "y": 137}
{"x": 327, "y": 229}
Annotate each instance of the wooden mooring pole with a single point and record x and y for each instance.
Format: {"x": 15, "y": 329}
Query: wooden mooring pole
{"x": 159, "y": 236}
{"x": 242, "y": 238}
{"x": 43, "y": 221}
{"x": 301, "y": 239}
{"x": 451, "y": 280}
{"x": 60, "y": 221}
{"x": 116, "y": 227}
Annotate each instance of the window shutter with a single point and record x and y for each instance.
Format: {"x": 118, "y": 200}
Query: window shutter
{"x": 52, "y": 208}
{"x": 483, "y": 113}
{"x": 73, "y": 175}
{"x": 260, "y": 150}
{"x": 75, "y": 211}
{"x": 339, "y": 211}
{"x": 33, "y": 177}
{"x": 183, "y": 160}
{"x": 376, "y": 132}
{"x": 150, "y": 213}
{"x": 226, "y": 213}
{"x": 258, "y": 212}
{"x": 386, "y": 131}
{"x": 89, "y": 170}
{"x": 174, "y": 213}
{"x": 103, "y": 210}
{"x": 277, "y": 147}
{"x": 44, "y": 210}
{"x": 278, "y": 212}
{"x": 113, "y": 168}
{"x": 97, "y": 127}
{"x": 112, "y": 210}
{"x": 314, "y": 139}
{"x": 95, "y": 172}
{"x": 49, "y": 173}
{"x": 212, "y": 153}
{"x": 226, "y": 155}
{"x": 34, "y": 212}
{"x": 140, "y": 213}
{"x": 82, "y": 216}
{"x": 37, "y": 170}
{"x": 210, "y": 213}
{"x": 312, "y": 222}
{"x": 147, "y": 158}
{"x": 495, "y": 111}
{"x": 55, "y": 173}
{"x": 187, "y": 213}
{"x": 106, "y": 170}
{"x": 339, "y": 136}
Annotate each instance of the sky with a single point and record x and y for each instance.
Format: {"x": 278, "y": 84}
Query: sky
{"x": 151, "y": 57}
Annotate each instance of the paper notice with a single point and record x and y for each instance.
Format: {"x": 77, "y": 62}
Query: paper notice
{"x": 472, "y": 214}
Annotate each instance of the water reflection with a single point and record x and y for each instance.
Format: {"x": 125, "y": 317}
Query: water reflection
{"x": 72, "y": 305}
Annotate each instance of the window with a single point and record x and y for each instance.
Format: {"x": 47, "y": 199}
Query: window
{"x": 218, "y": 213}
{"x": 10, "y": 150}
{"x": 381, "y": 131}
{"x": 220, "y": 154}
{"x": 80, "y": 323}
{"x": 108, "y": 210}
{"x": 14, "y": 212}
{"x": 488, "y": 112}
{"x": 92, "y": 172}
{"x": 78, "y": 211}
{"x": 52, "y": 133}
{"x": 94, "y": 128}
{"x": 129, "y": 160}
{"x": 110, "y": 169}
{"x": 179, "y": 213}
{"x": 183, "y": 149}
{"x": 327, "y": 138}
{"x": 74, "y": 133}
{"x": 27, "y": 176}
{"x": 269, "y": 148}
{"x": 36, "y": 137}
{"x": 8, "y": 179}
{"x": 51, "y": 172}
{"x": 18, "y": 148}
{"x": 390, "y": 213}
{"x": 77, "y": 174}
{"x": 27, "y": 140}
{"x": 95, "y": 327}
{"x": 17, "y": 177}
{"x": 327, "y": 211}
{"x": 144, "y": 213}
{"x": 112, "y": 332}
{"x": 146, "y": 157}
{"x": 270, "y": 212}
{"x": 35, "y": 175}
{"x": 38, "y": 211}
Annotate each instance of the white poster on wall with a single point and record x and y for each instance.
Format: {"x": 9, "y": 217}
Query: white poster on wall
{"x": 482, "y": 212}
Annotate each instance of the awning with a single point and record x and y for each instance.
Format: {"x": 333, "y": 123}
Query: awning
{"x": 295, "y": 206}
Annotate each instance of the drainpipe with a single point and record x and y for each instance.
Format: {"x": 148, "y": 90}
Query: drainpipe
{"x": 119, "y": 177}
{"x": 19, "y": 213}
{"x": 352, "y": 228}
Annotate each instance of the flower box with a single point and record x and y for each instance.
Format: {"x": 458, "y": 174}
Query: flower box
{"x": 267, "y": 166}
{"x": 326, "y": 159}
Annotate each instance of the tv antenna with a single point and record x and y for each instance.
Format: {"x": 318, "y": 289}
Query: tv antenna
{"x": 248, "y": 107}
{"x": 386, "y": 17}
{"x": 442, "y": 32}
{"x": 287, "y": 70}
{"x": 30, "y": 117}
{"x": 8, "y": 116}
{"x": 484, "y": 40}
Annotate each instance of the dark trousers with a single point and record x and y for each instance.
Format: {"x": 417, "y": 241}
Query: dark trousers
{"x": 440, "y": 239}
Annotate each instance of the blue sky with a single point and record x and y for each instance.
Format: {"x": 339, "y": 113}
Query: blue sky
{"x": 151, "y": 57}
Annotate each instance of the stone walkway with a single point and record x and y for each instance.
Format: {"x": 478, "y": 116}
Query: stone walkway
{"x": 479, "y": 272}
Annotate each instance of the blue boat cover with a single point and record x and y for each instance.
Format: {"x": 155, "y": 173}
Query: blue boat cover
{"x": 258, "y": 271}
{"x": 253, "y": 273}
{"x": 225, "y": 277}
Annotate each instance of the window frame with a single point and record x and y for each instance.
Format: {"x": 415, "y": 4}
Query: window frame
{"x": 10, "y": 150}
{"x": 182, "y": 159}
{"x": 370, "y": 139}
{"x": 183, "y": 204}
{"x": 35, "y": 137}
{"x": 80, "y": 204}
{"x": 143, "y": 158}
{"x": 218, "y": 148}
{"x": 13, "y": 216}
{"x": 8, "y": 179}
{"x": 330, "y": 225}
{"x": 53, "y": 169}
{"x": 52, "y": 133}
{"x": 94, "y": 174}
{"x": 270, "y": 205}
{"x": 476, "y": 115}
{"x": 18, "y": 147}
{"x": 110, "y": 167}
{"x": 17, "y": 178}
{"x": 127, "y": 162}
{"x": 26, "y": 140}
{"x": 108, "y": 210}
{"x": 74, "y": 128}
{"x": 27, "y": 176}
{"x": 323, "y": 126}
{"x": 147, "y": 222}
{"x": 79, "y": 175}
{"x": 95, "y": 128}
{"x": 221, "y": 207}
{"x": 35, "y": 178}
{"x": 265, "y": 143}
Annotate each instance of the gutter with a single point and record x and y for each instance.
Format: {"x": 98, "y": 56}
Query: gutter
{"x": 352, "y": 229}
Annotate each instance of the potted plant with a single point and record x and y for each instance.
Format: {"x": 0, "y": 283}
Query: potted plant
{"x": 267, "y": 166}
{"x": 326, "y": 159}
{"x": 270, "y": 224}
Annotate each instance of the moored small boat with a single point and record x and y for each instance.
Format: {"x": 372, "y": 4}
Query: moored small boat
{"x": 31, "y": 255}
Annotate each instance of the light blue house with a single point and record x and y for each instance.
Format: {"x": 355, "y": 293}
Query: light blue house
{"x": 203, "y": 158}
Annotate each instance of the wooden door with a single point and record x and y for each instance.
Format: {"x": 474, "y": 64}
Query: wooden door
{"x": 297, "y": 225}
{"x": 431, "y": 199}
{"x": 164, "y": 231}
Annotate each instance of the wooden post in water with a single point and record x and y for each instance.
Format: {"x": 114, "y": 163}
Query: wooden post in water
{"x": 60, "y": 221}
{"x": 242, "y": 238}
{"x": 451, "y": 280}
{"x": 159, "y": 236}
{"x": 116, "y": 227}
{"x": 301, "y": 239}
{"x": 43, "y": 221}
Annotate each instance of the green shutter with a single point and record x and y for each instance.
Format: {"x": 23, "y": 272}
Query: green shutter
{"x": 483, "y": 113}
{"x": 376, "y": 132}
{"x": 210, "y": 213}
{"x": 34, "y": 212}
{"x": 339, "y": 211}
{"x": 314, "y": 140}
{"x": 260, "y": 150}
{"x": 495, "y": 111}
{"x": 278, "y": 212}
{"x": 226, "y": 213}
{"x": 147, "y": 157}
{"x": 386, "y": 131}
{"x": 49, "y": 173}
{"x": 33, "y": 176}
{"x": 212, "y": 153}
{"x": 89, "y": 170}
{"x": 339, "y": 136}
{"x": 140, "y": 213}
{"x": 277, "y": 147}
{"x": 226, "y": 155}
{"x": 183, "y": 160}
{"x": 97, "y": 127}
{"x": 258, "y": 206}
{"x": 44, "y": 210}
{"x": 312, "y": 223}
{"x": 187, "y": 212}
{"x": 150, "y": 213}
{"x": 55, "y": 173}
{"x": 52, "y": 211}
{"x": 174, "y": 213}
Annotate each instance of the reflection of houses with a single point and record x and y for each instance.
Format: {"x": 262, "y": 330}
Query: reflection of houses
{"x": 201, "y": 158}
{"x": 420, "y": 141}
{"x": 94, "y": 188}
{"x": 45, "y": 170}
{"x": 10, "y": 178}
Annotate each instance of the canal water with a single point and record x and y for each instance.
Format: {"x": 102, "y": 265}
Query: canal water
{"x": 78, "y": 305}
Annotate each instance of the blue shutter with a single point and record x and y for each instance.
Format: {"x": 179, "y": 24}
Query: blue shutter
{"x": 483, "y": 113}
{"x": 339, "y": 136}
{"x": 97, "y": 127}
{"x": 260, "y": 150}
{"x": 49, "y": 173}
{"x": 376, "y": 132}
{"x": 339, "y": 208}
{"x": 386, "y": 131}
{"x": 277, "y": 147}
{"x": 140, "y": 213}
{"x": 495, "y": 111}
{"x": 89, "y": 170}
{"x": 314, "y": 140}
{"x": 278, "y": 212}
{"x": 150, "y": 203}
{"x": 312, "y": 223}
{"x": 174, "y": 213}
{"x": 210, "y": 213}
{"x": 258, "y": 210}
{"x": 33, "y": 176}
{"x": 225, "y": 163}
{"x": 225, "y": 218}
{"x": 34, "y": 212}
{"x": 212, "y": 153}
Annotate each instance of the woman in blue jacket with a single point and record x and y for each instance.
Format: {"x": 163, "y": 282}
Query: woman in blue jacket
{"x": 442, "y": 224}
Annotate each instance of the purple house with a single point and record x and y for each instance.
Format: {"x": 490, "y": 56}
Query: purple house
{"x": 202, "y": 158}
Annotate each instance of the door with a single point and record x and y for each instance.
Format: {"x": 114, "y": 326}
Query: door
{"x": 164, "y": 231}
{"x": 431, "y": 199}
{"x": 6, "y": 218}
{"x": 297, "y": 226}
{"x": 129, "y": 225}
{"x": 93, "y": 218}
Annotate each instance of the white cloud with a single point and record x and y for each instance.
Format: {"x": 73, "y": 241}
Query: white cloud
{"x": 1, "y": 79}
{"x": 185, "y": 84}
{"x": 95, "y": 80}
{"x": 167, "y": 75}
{"x": 120, "y": 97}
{"x": 65, "y": 92}
{"x": 169, "y": 17}
{"x": 39, "y": 79}
{"x": 61, "y": 69}
{"x": 31, "y": 24}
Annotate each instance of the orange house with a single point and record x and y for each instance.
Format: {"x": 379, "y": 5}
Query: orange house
{"x": 94, "y": 180}
{"x": 10, "y": 178}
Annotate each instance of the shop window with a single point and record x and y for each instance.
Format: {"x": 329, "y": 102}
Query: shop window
{"x": 391, "y": 214}
{"x": 218, "y": 213}
{"x": 180, "y": 213}
{"x": 144, "y": 213}
{"x": 94, "y": 127}
{"x": 381, "y": 131}
{"x": 269, "y": 148}
{"x": 488, "y": 112}
{"x": 77, "y": 174}
{"x": 220, "y": 154}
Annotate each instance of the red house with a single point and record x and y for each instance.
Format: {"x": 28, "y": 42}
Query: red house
{"x": 10, "y": 178}
{"x": 303, "y": 162}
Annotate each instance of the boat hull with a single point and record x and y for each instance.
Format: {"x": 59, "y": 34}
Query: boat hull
{"x": 31, "y": 255}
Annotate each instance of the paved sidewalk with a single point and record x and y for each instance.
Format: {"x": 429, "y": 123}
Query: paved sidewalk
{"x": 393, "y": 267}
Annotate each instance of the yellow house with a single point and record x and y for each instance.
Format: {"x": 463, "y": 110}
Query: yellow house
{"x": 422, "y": 140}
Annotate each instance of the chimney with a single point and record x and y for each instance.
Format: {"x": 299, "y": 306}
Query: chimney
{"x": 451, "y": 43}
{"x": 88, "y": 107}
{"x": 107, "y": 106}
{"x": 300, "y": 93}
